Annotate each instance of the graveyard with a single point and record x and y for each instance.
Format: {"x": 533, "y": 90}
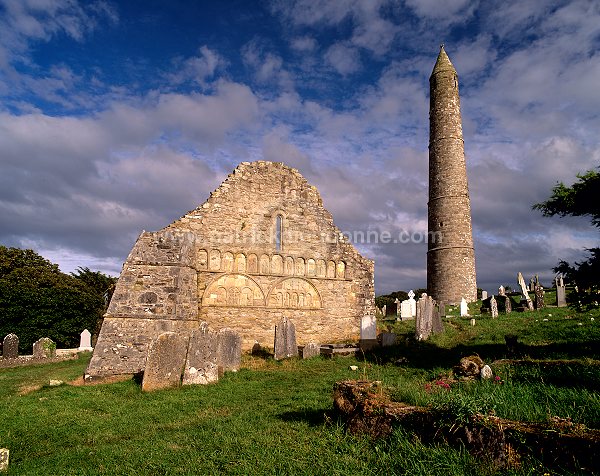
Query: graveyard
{"x": 277, "y": 416}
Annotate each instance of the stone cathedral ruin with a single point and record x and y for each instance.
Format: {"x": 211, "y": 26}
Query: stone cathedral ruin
{"x": 261, "y": 248}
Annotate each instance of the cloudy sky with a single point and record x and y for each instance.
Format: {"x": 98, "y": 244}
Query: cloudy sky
{"x": 119, "y": 116}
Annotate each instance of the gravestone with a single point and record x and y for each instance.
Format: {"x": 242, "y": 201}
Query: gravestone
{"x": 484, "y": 295}
{"x": 285, "y": 339}
{"x": 229, "y": 350}
{"x": 312, "y": 349}
{"x": 406, "y": 310}
{"x": 368, "y": 329}
{"x": 486, "y": 372}
{"x": 561, "y": 299}
{"x": 397, "y": 302}
{"x": 85, "y": 341}
{"x": 494, "y": 306}
{"x": 10, "y": 346}
{"x": 44, "y": 348}
{"x": 4, "y": 454}
{"x": 388, "y": 339}
{"x": 384, "y": 310}
{"x": 438, "y": 313}
{"x": 539, "y": 297}
{"x": 507, "y": 305}
{"x": 501, "y": 291}
{"x": 532, "y": 284}
{"x": 165, "y": 362}
{"x": 424, "y": 318}
{"x": 521, "y": 282}
{"x": 413, "y": 303}
{"x": 473, "y": 322}
{"x": 201, "y": 362}
{"x": 464, "y": 308}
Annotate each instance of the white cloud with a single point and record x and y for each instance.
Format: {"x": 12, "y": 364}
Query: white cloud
{"x": 344, "y": 59}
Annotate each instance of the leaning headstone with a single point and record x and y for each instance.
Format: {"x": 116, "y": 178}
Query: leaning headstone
{"x": 10, "y": 346}
{"x": 44, "y": 348}
{"x": 165, "y": 362}
{"x": 484, "y": 295}
{"x": 229, "y": 350}
{"x": 85, "y": 341}
{"x": 507, "y": 305}
{"x": 4, "y": 454}
{"x": 539, "y": 297}
{"x": 494, "y": 306}
{"x": 521, "y": 281}
{"x": 406, "y": 310}
{"x": 501, "y": 291}
{"x": 201, "y": 362}
{"x": 413, "y": 303}
{"x": 285, "y": 339}
{"x": 424, "y": 320}
{"x": 388, "y": 339}
{"x": 464, "y": 308}
{"x": 312, "y": 349}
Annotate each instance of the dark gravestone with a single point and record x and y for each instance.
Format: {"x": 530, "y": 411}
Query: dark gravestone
{"x": 285, "y": 339}
{"x": 201, "y": 363}
{"x": 438, "y": 313}
{"x": 539, "y": 297}
{"x": 10, "y": 347}
{"x": 424, "y": 318}
{"x": 165, "y": 362}
{"x": 44, "y": 348}
{"x": 229, "y": 350}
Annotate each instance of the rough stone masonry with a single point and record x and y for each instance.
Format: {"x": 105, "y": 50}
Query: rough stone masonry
{"x": 261, "y": 248}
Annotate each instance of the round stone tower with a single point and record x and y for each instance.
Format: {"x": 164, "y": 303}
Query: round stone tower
{"x": 450, "y": 254}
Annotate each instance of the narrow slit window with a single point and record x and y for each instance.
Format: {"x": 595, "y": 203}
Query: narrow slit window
{"x": 278, "y": 232}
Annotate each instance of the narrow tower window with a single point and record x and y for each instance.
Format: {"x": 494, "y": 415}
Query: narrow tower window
{"x": 278, "y": 232}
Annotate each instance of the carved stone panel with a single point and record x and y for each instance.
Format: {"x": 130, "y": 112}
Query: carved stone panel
{"x": 321, "y": 268}
{"x": 311, "y": 267}
{"x": 227, "y": 262}
{"x": 331, "y": 269}
{"x": 341, "y": 270}
{"x": 215, "y": 260}
{"x": 277, "y": 264}
{"x": 240, "y": 263}
{"x": 264, "y": 264}
{"x": 294, "y": 293}
{"x": 234, "y": 290}
{"x": 299, "y": 267}
{"x": 289, "y": 266}
{"x": 252, "y": 263}
{"x": 202, "y": 260}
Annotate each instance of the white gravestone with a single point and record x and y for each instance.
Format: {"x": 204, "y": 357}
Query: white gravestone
{"x": 484, "y": 295}
{"x": 368, "y": 328}
{"x": 464, "y": 309}
{"x": 85, "y": 341}
{"x": 405, "y": 310}
{"x": 413, "y": 303}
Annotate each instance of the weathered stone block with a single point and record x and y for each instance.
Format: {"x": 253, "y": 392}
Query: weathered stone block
{"x": 44, "y": 348}
{"x": 201, "y": 364}
{"x": 165, "y": 362}
{"x": 310, "y": 350}
{"x": 285, "y": 340}
{"x": 10, "y": 346}
{"x": 4, "y": 454}
{"x": 229, "y": 350}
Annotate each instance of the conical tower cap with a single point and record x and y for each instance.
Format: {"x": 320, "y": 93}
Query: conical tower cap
{"x": 443, "y": 63}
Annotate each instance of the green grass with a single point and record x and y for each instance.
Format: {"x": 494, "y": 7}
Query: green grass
{"x": 274, "y": 417}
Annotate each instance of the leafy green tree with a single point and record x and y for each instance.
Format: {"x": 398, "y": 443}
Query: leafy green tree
{"x": 580, "y": 199}
{"x": 37, "y": 300}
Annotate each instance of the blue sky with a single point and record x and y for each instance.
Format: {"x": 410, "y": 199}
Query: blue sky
{"x": 121, "y": 116}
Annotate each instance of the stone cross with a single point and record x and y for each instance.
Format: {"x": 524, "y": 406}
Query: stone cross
{"x": 201, "y": 362}
{"x": 424, "y": 318}
{"x": 165, "y": 362}
{"x": 464, "y": 308}
{"x": 494, "y": 306}
{"x": 484, "y": 295}
{"x": 521, "y": 281}
{"x": 229, "y": 350}
{"x": 85, "y": 341}
{"x": 368, "y": 328}
{"x": 501, "y": 291}
{"x": 10, "y": 346}
{"x": 413, "y": 303}
{"x": 44, "y": 348}
{"x": 285, "y": 339}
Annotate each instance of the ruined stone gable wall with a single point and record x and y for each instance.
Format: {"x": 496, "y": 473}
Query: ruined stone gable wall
{"x": 222, "y": 263}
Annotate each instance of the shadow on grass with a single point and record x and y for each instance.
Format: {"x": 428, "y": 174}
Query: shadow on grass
{"x": 312, "y": 417}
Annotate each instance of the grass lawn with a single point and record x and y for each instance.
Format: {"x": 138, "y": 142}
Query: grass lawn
{"x": 274, "y": 417}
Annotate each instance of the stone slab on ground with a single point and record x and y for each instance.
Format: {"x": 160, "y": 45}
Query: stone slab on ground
{"x": 312, "y": 349}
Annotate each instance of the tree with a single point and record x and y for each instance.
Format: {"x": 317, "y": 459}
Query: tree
{"x": 580, "y": 199}
{"x": 37, "y": 300}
